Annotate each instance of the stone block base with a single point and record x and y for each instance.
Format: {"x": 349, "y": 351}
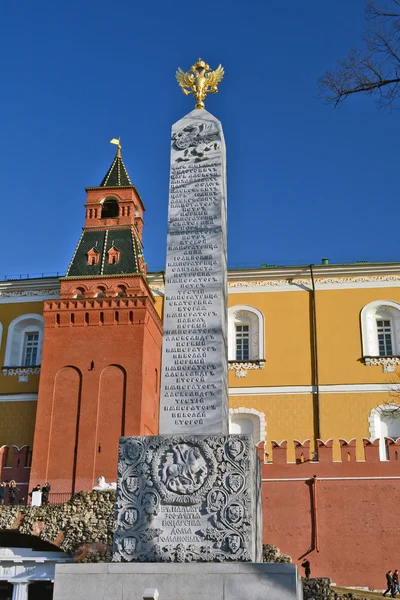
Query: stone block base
{"x": 188, "y": 498}
{"x": 195, "y": 581}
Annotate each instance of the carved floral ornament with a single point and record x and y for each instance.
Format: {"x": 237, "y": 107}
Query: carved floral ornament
{"x": 183, "y": 498}
{"x": 24, "y": 371}
{"x": 241, "y": 368}
{"x": 388, "y": 363}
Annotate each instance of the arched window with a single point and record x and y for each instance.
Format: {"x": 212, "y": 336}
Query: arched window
{"x": 24, "y": 341}
{"x": 109, "y": 209}
{"x": 101, "y": 292}
{"x": 120, "y": 292}
{"x": 384, "y": 422}
{"x": 79, "y": 293}
{"x": 245, "y": 334}
{"x": 380, "y": 328}
{"x": 248, "y": 420}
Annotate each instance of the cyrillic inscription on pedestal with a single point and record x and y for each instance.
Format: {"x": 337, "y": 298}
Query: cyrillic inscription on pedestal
{"x": 184, "y": 498}
{"x": 194, "y": 374}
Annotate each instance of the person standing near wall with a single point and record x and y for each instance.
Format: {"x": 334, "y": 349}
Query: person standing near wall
{"x": 307, "y": 568}
{"x": 12, "y": 492}
{"x": 2, "y": 492}
{"x": 389, "y": 583}
{"x": 45, "y": 493}
{"x": 395, "y": 587}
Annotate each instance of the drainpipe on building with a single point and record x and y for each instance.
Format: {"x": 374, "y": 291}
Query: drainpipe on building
{"x": 317, "y": 428}
{"x": 315, "y": 513}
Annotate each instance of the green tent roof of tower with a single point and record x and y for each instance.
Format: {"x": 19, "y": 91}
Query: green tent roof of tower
{"x": 122, "y": 240}
{"x": 117, "y": 175}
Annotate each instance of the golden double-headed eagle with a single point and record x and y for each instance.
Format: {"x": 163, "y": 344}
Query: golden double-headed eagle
{"x": 200, "y": 81}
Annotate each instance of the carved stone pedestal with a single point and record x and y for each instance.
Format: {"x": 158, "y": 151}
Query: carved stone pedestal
{"x": 188, "y": 498}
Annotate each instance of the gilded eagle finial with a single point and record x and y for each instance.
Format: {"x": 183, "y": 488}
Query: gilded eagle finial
{"x": 200, "y": 81}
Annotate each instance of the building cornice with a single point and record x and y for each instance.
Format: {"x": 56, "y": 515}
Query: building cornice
{"x": 29, "y": 290}
{"x": 297, "y": 279}
{"x": 18, "y": 397}
{"x": 354, "y": 269}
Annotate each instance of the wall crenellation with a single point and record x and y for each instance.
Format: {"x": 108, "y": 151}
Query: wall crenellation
{"x": 97, "y": 311}
{"x": 324, "y": 453}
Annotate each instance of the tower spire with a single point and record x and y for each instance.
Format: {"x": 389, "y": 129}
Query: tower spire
{"x": 117, "y": 175}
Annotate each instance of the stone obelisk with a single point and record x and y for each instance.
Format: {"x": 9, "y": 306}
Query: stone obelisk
{"x": 193, "y": 492}
{"x": 194, "y": 391}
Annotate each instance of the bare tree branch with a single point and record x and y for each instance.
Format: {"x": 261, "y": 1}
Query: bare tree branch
{"x": 373, "y": 10}
{"x": 373, "y": 70}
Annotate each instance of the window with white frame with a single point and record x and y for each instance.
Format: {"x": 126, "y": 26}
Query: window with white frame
{"x": 24, "y": 341}
{"x": 31, "y": 347}
{"x": 384, "y": 423}
{"x": 384, "y": 332}
{"x": 242, "y": 336}
{"x": 245, "y": 334}
{"x": 380, "y": 329}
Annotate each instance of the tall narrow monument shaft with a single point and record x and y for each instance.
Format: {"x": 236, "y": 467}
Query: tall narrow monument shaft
{"x": 193, "y": 492}
{"x": 194, "y": 396}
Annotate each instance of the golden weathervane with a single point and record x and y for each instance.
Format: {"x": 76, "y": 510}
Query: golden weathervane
{"x": 199, "y": 81}
{"x": 117, "y": 142}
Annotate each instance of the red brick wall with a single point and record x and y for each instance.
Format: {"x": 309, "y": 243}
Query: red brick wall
{"x": 348, "y": 530}
{"x": 151, "y": 380}
{"x": 96, "y": 384}
{"x": 63, "y": 422}
{"x": 110, "y": 418}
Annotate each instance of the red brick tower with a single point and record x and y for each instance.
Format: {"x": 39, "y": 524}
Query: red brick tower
{"x": 102, "y": 346}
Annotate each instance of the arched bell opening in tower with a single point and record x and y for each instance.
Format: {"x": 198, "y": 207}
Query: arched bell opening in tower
{"x": 109, "y": 209}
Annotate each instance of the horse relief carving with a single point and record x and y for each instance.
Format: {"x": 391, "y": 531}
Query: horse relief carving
{"x": 183, "y": 469}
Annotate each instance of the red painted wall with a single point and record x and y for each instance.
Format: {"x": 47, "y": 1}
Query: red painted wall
{"x": 349, "y": 529}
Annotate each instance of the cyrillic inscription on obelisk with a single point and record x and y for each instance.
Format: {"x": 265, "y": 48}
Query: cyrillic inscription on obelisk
{"x": 194, "y": 374}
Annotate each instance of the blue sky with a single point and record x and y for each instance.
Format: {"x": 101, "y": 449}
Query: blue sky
{"x": 304, "y": 181}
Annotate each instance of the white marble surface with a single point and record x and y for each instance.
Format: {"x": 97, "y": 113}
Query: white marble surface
{"x": 237, "y": 581}
{"x": 194, "y": 387}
